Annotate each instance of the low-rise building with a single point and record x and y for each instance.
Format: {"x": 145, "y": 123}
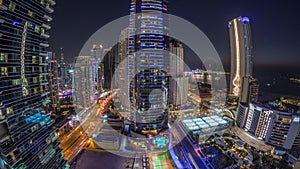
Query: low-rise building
{"x": 200, "y": 128}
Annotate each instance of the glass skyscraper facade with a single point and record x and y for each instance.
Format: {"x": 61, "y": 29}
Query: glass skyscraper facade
{"x": 148, "y": 65}
{"x": 27, "y": 138}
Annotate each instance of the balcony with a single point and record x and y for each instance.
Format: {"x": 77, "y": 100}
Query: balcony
{"x": 2, "y": 139}
{"x": 43, "y": 54}
{"x": 2, "y": 117}
{"x": 49, "y": 9}
{"x": 43, "y": 64}
{"x": 46, "y": 94}
{"x": 46, "y": 45}
{"x": 47, "y": 18}
{"x": 44, "y": 83}
{"x": 46, "y": 26}
{"x": 2, "y": 7}
{"x": 45, "y": 35}
{"x": 52, "y": 2}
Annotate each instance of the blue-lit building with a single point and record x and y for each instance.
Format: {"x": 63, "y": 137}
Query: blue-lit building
{"x": 148, "y": 64}
{"x": 27, "y": 138}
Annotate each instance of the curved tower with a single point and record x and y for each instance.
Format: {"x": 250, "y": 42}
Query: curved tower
{"x": 241, "y": 53}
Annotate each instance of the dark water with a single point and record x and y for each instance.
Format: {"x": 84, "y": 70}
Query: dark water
{"x": 276, "y": 80}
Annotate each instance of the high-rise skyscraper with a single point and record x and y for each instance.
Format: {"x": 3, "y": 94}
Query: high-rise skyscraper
{"x": 53, "y": 83}
{"x": 123, "y": 66}
{"x": 178, "y": 82}
{"x": 176, "y": 61}
{"x": 123, "y": 45}
{"x": 27, "y": 137}
{"x": 70, "y": 76}
{"x": 148, "y": 65}
{"x": 249, "y": 90}
{"x": 241, "y": 53}
{"x": 94, "y": 63}
{"x": 97, "y": 53}
{"x": 85, "y": 85}
{"x": 62, "y": 71}
{"x": 108, "y": 67}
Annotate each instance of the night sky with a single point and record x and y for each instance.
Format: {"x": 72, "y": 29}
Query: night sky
{"x": 275, "y": 25}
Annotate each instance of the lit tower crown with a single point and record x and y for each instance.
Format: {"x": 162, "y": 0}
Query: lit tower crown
{"x": 241, "y": 53}
{"x": 148, "y": 65}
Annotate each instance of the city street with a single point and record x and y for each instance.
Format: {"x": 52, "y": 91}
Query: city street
{"x": 78, "y": 138}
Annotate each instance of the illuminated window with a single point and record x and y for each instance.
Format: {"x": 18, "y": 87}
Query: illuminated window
{"x": 14, "y": 69}
{"x": 3, "y": 57}
{"x": 41, "y": 69}
{"x": 35, "y": 90}
{"x": 4, "y": 71}
{"x": 42, "y": 30}
{"x": 9, "y": 111}
{"x": 12, "y": 6}
{"x": 1, "y": 115}
{"x": 48, "y": 140}
{"x": 33, "y": 59}
{"x": 0, "y": 2}
{"x": 35, "y": 80}
{"x": 16, "y": 82}
{"x": 286, "y": 120}
{"x": 34, "y": 128}
{"x": 37, "y": 29}
{"x": 30, "y": 13}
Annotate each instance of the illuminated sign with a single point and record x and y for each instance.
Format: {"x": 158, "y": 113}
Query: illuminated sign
{"x": 268, "y": 113}
{"x": 160, "y": 142}
{"x": 245, "y": 19}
